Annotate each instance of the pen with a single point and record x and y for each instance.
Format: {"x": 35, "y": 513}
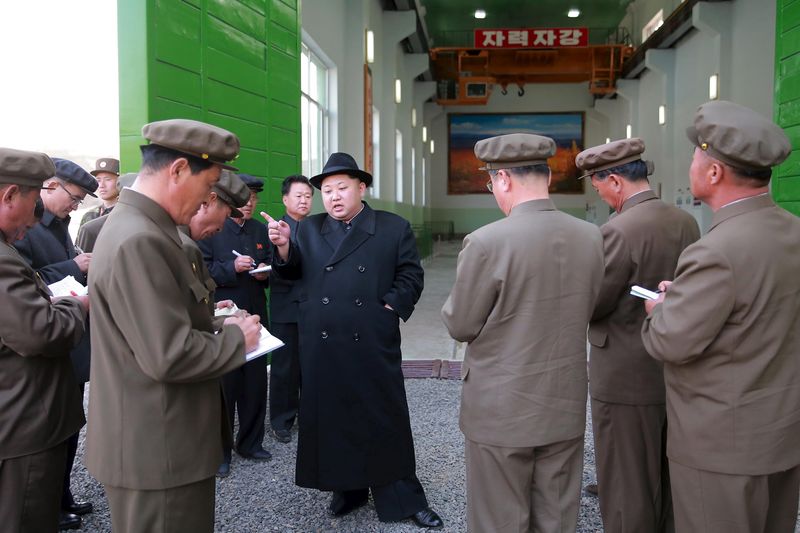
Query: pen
{"x": 237, "y": 254}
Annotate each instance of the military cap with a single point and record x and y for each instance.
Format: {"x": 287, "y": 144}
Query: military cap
{"x": 106, "y": 164}
{"x": 126, "y": 180}
{"x": 611, "y": 155}
{"x": 738, "y": 136}
{"x": 194, "y": 138}
{"x": 72, "y": 173}
{"x": 341, "y": 163}
{"x": 232, "y": 190}
{"x": 514, "y": 150}
{"x": 253, "y": 183}
{"x": 22, "y": 167}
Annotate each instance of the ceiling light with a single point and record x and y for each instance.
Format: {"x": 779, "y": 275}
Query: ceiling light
{"x": 431, "y": 145}
{"x": 713, "y": 87}
{"x": 662, "y": 115}
{"x": 398, "y": 91}
{"x": 574, "y": 13}
{"x": 413, "y": 117}
{"x": 608, "y": 140}
{"x": 480, "y": 14}
{"x": 628, "y": 131}
{"x": 370, "y": 47}
{"x": 424, "y": 134}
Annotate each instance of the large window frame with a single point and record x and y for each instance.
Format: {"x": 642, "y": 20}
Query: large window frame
{"x": 315, "y": 112}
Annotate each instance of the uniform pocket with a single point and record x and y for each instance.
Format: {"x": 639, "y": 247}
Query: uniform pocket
{"x": 597, "y": 338}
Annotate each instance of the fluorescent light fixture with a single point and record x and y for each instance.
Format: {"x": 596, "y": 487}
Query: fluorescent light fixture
{"x": 398, "y": 91}
{"x": 713, "y": 86}
{"x": 413, "y": 117}
{"x": 480, "y": 14}
{"x": 424, "y": 134}
{"x": 370, "y": 47}
{"x": 628, "y": 131}
{"x": 662, "y": 115}
{"x": 431, "y": 145}
{"x": 574, "y": 13}
{"x": 608, "y": 140}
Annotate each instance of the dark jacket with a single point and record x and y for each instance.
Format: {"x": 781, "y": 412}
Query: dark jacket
{"x": 248, "y": 239}
{"x": 354, "y": 427}
{"x": 49, "y": 249}
{"x": 284, "y": 294}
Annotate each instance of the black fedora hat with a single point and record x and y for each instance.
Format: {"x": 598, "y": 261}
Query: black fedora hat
{"x": 341, "y": 163}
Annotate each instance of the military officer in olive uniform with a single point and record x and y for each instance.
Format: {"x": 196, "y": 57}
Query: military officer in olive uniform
{"x": 359, "y": 274}
{"x": 727, "y": 330}
{"x": 106, "y": 173}
{"x": 641, "y": 246}
{"x": 156, "y": 421}
{"x": 49, "y": 249}
{"x": 40, "y": 404}
{"x": 88, "y": 232}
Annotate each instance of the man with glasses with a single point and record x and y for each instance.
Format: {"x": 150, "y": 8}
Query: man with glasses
{"x": 523, "y": 296}
{"x": 49, "y": 249}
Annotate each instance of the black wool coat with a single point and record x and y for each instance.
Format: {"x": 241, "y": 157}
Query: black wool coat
{"x": 354, "y": 425}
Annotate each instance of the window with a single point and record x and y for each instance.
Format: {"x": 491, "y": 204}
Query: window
{"x": 651, "y": 27}
{"x": 424, "y": 181}
{"x": 376, "y": 152}
{"x": 413, "y": 176}
{"x": 398, "y": 172}
{"x": 314, "y": 112}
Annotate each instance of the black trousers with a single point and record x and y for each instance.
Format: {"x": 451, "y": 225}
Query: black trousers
{"x": 72, "y": 450}
{"x": 284, "y": 386}
{"x": 396, "y": 501}
{"x": 246, "y": 395}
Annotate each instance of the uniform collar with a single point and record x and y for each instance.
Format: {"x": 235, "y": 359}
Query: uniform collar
{"x": 739, "y": 207}
{"x": 48, "y": 218}
{"x": 638, "y": 198}
{"x": 531, "y": 206}
{"x": 364, "y": 220}
{"x": 151, "y": 210}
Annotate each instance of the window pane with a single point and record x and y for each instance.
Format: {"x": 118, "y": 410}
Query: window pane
{"x": 398, "y": 174}
{"x": 413, "y": 176}
{"x": 313, "y": 87}
{"x": 304, "y": 63}
{"x": 305, "y": 141}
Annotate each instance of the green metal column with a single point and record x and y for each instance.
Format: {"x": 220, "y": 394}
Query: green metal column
{"x": 786, "y": 180}
{"x": 233, "y": 63}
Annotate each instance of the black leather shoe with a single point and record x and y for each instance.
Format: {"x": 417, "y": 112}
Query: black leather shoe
{"x": 78, "y": 508}
{"x": 283, "y": 435}
{"x": 69, "y": 521}
{"x": 339, "y": 505}
{"x": 224, "y": 469}
{"x": 427, "y": 518}
{"x": 591, "y": 489}
{"x": 258, "y": 455}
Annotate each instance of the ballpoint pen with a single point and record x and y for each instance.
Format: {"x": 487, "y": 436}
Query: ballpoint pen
{"x": 237, "y": 254}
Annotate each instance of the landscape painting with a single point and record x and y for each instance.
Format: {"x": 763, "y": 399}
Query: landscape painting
{"x": 464, "y": 130}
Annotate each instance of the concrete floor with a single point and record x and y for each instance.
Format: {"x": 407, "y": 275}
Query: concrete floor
{"x": 424, "y": 335}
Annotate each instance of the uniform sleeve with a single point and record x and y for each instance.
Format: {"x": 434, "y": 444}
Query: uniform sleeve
{"x": 221, "y": 269}
{"x": 163, "y": 341}
{"x": 616, "y": 277}
{"x": 54, "y": 271}
{"x": 471, "y": 300}
{"x": 695, "y": 308}
{"x": 408, "y": 277}
{"x": 32, "y": 325}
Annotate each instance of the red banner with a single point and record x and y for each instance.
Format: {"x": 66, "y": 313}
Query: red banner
{"x": 531, "y": 37}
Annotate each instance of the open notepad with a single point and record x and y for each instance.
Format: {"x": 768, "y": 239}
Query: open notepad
{"x": 67, "y": 286}
{"x": 641, "y": 292}
{"x": 266, "y": 343}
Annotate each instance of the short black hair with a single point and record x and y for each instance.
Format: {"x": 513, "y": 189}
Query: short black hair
{"x": 759, "y": 178}
{"x": 633, "y": 171}
{"x": 542, "y": 169}
{"x": 286, "y": 186}
{"x": 155, "y": 157}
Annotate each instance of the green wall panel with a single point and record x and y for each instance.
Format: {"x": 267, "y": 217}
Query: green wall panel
{"x": 786, "y": 180}
{"x": 233, "y": 63}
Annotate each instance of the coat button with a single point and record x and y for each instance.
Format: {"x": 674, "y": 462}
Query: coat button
{"x": 328, "y": 268}
{"x": 324, "y": 334}
{"x": 361, "y": 268}
{"x": 326, "y": 300}
{"x": 355, "y": 337}
{"x": 359, "y": 303}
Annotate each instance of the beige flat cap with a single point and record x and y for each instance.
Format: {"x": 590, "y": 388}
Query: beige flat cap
{"x": 738, "y": 136}
{"x": 233, "y": 191}
{"x": 514, "y": 150}
{"x": 194, "y": 138}
{"x": 611, "y": 155}
{"x": 22, "y": 167}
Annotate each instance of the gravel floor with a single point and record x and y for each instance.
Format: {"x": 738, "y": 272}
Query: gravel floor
{"x": 262, "y": 497}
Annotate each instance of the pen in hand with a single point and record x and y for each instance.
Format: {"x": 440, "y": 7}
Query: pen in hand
{"x": 237, "y": 254}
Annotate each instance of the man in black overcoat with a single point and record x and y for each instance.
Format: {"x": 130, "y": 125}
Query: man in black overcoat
{"x": 246, "y": 387}
{"x": 359, "y": 273}
{"x": 49, "y": 249}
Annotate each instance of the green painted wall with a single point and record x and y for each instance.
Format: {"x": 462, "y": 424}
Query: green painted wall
{"x": 786, "y": 180}
{"x": 232, "y": 63}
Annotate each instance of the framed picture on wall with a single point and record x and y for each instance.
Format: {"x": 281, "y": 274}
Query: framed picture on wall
{"x": 465, "y": 129}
